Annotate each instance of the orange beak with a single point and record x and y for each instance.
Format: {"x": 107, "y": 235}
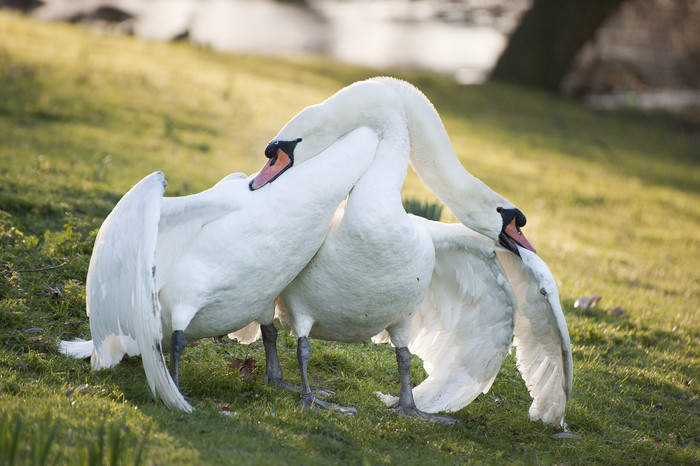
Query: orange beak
{"x": 514, "y": 233}
{"x": 274, "y": 167}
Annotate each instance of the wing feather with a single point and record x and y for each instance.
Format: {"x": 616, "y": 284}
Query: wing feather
{"x": 122, "y": 299}
{"x": 541, "y": 337}
{"x": 464, "y": 327}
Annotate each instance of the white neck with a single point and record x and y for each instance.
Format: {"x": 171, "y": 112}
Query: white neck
{"x": 437, "y": 165}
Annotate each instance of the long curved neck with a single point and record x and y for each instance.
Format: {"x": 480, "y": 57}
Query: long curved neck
{"x": 435, "y": 162}
{"x": 379, "y": 188}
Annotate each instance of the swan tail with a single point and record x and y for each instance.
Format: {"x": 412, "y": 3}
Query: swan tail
{"x": 79, "y": 348}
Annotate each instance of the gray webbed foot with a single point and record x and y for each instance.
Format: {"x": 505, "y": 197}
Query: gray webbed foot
{"x": 412, "y": 411}
{"x": 311, "y": 402}
{"x": 308, "y": 399}
{"x": 406, "y": 405}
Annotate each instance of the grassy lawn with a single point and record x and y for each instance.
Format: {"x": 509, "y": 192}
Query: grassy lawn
{"x": 613, "y": 206}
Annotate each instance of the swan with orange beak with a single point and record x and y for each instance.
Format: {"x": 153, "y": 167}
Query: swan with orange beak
{"x": 457, "y": 295}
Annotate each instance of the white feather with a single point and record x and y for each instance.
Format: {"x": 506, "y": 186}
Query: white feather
{"x": 358, "y": 281}
{"x": 541, "y": 337}
{"x": 463, "y": 329}
{"x": 210, "y": 263}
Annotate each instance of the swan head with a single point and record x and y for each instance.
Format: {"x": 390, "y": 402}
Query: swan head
{"x": 280, "y": 158}
{"x": 511, "y": 236}
{"x": 366, "y": 103}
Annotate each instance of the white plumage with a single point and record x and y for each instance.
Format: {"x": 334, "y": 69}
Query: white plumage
{"x": 439, "y": 290}
{"x": 447, "y": 293}
{"x": 211, "y": 263}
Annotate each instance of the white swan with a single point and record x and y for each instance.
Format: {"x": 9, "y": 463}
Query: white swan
{"x": 211, "y": 263}
{"x": 437, "y": 289}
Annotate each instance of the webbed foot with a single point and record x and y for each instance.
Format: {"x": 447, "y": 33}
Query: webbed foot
{"x": 412, "y": 411}
{"x": 311, "y": 402}
{"x": 316, "y": 389}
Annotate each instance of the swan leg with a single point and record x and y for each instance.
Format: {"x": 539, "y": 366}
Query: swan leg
{"x": 273, "y": 370}
{"x": 178, "y": 342}
{"x": 308, "y": 399}
{"x": 406, "y": 405}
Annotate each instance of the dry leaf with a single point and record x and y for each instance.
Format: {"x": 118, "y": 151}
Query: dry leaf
{"x": 245, "y": 368}
{"x": 586, "y": 302}
{"x": 223, "y": 407}
{"x": 79, "y": 388}
{"x": 617, "y": 312}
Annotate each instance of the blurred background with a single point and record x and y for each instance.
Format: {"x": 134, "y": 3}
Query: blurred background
{"x": 612, "y": 53}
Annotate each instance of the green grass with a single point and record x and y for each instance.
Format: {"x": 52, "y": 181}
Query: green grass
{"x": 613, "y": 207}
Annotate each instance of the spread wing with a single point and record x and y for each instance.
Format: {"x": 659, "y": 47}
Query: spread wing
{"x": 479, "y": 297}
{"x": 541, "y": 337}
{"x": 122, "y": 299}
{"x": 134, "y": 250}
{"x": 464, "y": 327}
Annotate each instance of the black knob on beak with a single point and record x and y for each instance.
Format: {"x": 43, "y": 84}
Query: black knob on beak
{"x": 509, "y": 214}
{"x": 286, "y": 146}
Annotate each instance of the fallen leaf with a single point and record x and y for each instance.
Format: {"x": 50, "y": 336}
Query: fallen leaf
{"x": 245, "y": 373}
{"x": 567, "y": 435}
{"x": 193, "y": 344}
{"x": 79, "y": 388}
{"x": 617, "y": 312}
{"x": 245, "y": 368}
{"x": 586, "y": 302}
{"x": 223, "y": 407}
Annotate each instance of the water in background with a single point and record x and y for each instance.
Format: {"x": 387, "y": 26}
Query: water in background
{"x": 461, "y": 39}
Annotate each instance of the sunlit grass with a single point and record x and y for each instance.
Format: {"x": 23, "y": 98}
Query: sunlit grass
{"x": 612, "y": 204}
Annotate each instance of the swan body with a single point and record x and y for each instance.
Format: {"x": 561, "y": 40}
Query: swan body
{"x": 373, "y": 245}
{"x": 210, "y": 263}
{"x": 481, "y": 298}
{"x": 380, "y": 268}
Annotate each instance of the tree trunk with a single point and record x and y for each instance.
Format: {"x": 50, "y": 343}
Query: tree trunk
{"x": 550, "y": 34}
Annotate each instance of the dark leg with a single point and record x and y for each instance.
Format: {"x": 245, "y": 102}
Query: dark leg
{"x": 178, "y": 343}
{"x": 273, "y": 370}
{"x": 403, "y": 359}
{"x": 406, "y": 406}
{"x": 308, "y": 400}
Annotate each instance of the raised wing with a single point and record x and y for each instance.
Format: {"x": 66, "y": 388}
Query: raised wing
{"x": 182, "y": 218}
{"x": 122, "y": 299}
{"x": 464, "y": 327}
{"x": 541, "y": 337}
